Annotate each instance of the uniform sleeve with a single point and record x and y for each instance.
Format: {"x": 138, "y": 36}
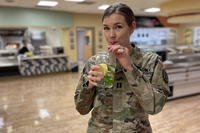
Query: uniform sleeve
{"x": 152, "y": 90}
{"x": 84, "y": 96}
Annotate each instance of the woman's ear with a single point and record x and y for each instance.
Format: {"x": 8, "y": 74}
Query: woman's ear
{"x": 133, "y": 26}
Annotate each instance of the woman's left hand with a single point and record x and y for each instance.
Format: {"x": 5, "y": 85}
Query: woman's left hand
{"x": 122, "y": 54}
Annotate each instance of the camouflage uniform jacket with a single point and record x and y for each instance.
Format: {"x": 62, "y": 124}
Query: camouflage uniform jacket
{"x": 125, "y": 107}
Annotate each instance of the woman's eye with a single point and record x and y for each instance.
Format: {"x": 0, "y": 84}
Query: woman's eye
{"x": 105, "y": 28}
{"x": 118, "y": 27}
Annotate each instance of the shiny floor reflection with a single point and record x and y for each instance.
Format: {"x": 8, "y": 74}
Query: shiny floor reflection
{"x": 44, "y": 104}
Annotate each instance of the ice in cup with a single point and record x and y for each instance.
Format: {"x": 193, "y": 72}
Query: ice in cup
{"x": 107, "y": 67}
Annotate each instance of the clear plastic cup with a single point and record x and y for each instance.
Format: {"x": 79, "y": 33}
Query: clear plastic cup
{"x": 107, "y": 65}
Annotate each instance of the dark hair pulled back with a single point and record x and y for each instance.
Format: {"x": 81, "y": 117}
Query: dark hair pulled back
{"x": 121, "y": 9}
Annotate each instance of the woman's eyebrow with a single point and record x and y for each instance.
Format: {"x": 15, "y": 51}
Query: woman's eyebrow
{"x": 113, "y": 24}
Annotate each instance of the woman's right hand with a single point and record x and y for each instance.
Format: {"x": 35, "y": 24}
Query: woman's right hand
{"x": 122, "y": 54}
{"x": 94, "y": 75}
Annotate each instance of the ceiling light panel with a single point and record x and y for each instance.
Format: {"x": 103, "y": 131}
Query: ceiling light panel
{"x": 47, "y": 3}
{"x": 152, "y": 10}
{"x": 75, "y": 0}
{"x": 103, "y": 7}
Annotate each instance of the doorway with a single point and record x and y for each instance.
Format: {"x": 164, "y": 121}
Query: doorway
{"x": 85, "y": 43}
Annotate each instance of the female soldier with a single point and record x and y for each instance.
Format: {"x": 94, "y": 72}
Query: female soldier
{"x": 141, "y": 84}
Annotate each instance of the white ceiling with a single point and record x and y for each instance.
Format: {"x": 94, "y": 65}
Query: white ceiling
{"x": 90, "y": 6}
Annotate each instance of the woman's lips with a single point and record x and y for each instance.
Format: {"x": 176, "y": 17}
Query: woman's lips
{"x": 112, "y": 43}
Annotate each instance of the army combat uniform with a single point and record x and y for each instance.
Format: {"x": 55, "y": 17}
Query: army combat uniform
{"x": 124, "y": 108}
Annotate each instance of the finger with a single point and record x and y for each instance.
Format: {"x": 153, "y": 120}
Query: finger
{"x": 118, "y": 50}
{"x": 121, "y": 50}
{"x": 112, "y": 48}
{"x": 93, "y": 80}
{"x": 95, "y": 73}
{"x": 92, "y": 83}
{"x": 115, "y": 47}
{"x": 109, "y": 47}
{"x": 95, "y": 68}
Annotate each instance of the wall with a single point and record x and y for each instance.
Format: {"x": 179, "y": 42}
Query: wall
{"x": 163, "y": 20}
{"x": 31, "y": 17}
{"x": 185, "y": 34}
{"x": 53, "y": 34}
{"x": 82, "y": 20}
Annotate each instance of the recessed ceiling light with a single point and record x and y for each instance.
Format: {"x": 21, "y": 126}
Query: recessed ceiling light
{"x": 103, "y": 7}
{"x": 75, "y": 0}
{"x": 153, "y": 9}
{"x": 47, "y": 3}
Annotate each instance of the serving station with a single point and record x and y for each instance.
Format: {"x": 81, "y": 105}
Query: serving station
{"x": 184, "y": 74}
{"x": 36, "y": 65}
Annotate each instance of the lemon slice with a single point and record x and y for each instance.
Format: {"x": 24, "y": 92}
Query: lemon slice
{"x": 103, "y": 68}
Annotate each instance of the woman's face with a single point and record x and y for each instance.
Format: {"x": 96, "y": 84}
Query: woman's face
{"x": 116, "y": 30}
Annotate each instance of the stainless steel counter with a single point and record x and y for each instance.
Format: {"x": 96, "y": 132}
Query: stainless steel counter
{"x": 184, "y": 73}
{"x": 43, "y": 57}
{"x": 8, "y": 58}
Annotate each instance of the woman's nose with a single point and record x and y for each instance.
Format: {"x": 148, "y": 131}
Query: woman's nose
{"x": 112, "y": 33}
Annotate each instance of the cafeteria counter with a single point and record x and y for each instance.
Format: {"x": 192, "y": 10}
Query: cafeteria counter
{"x": 184, "y": 75}
{"x": 36, "y": 65}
